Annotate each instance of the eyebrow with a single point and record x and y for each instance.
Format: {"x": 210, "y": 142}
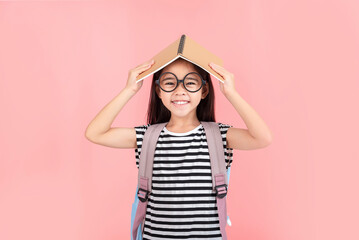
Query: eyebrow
{"x": 185, "y": 74}
{"x": 171, "y": 77}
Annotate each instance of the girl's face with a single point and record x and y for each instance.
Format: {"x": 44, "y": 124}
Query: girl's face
{"x": 180, "y": 69}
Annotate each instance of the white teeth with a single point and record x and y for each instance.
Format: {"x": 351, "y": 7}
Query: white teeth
{"x": 179, "y": 102}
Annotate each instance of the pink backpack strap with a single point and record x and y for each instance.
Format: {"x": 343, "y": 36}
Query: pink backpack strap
{"x": 145, "y": 173}
{"x": 219, "y": 173}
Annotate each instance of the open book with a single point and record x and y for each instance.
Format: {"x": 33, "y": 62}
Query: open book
{"x": 187, "y": 49}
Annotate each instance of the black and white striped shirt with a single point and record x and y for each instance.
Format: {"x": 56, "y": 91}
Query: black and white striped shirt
{"x": 182, "y": 204}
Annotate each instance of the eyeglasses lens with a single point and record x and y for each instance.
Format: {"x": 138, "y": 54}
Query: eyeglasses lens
{"x": 192, "y": 82}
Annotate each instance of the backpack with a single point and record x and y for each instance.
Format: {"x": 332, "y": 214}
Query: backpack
{"x": 220, "y": 177}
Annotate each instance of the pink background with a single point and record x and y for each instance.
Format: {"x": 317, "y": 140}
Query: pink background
{"x": 295, "y": 62}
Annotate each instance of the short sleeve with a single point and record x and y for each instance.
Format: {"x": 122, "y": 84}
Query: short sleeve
{"x": 228, "y": 152}
{"x": 140, "y": 132}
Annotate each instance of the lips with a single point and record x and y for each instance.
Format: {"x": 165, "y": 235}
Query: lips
{"x": 180, "y": 105}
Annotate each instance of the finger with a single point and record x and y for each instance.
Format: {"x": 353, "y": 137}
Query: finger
{"x": 222, "y": 71}
{"x": 216, "y": 68}
{"x": 143, "y": 66}
{"x": 149, "y": 62}
{"x": 141, "y": 69}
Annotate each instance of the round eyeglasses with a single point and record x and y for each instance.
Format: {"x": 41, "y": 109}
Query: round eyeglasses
{"x": 192, "y": 82}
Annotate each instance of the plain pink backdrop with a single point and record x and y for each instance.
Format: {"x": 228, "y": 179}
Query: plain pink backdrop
{"x": 295, "y": 62}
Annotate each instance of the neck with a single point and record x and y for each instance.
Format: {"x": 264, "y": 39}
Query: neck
{"x": 183, "y": 122}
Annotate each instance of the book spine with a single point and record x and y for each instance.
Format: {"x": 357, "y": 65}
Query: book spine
{"x": 181, "y": 44}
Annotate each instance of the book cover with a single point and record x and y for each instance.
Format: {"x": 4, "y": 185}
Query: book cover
{"x": 188, "y": 49}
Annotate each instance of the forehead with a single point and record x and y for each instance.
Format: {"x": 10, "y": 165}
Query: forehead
{"x": 180, "y": 68}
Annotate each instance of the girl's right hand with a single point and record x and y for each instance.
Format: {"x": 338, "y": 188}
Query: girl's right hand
{"x": 133, "y": 73}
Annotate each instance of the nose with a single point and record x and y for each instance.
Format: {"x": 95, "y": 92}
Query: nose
{"x": 180, "y": 88}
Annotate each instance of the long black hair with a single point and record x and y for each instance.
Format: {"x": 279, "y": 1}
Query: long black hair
{"x": 158, "y": 113}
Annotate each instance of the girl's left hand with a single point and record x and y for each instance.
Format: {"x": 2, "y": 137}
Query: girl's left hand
{"x": 228, "y": 86}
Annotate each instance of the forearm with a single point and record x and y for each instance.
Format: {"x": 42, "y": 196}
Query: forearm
{"x": 104, "y": 119}
{"x": 255, "y": 124}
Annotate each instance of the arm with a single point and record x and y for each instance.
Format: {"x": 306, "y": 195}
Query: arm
{"x": 99, "y": 130}
{"x": 258, "y": 134}
{"x": 104, "y": 119}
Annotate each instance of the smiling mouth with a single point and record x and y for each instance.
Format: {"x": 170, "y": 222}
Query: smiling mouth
{"x": 180, "y": 103}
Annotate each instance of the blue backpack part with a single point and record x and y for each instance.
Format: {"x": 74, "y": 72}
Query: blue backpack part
{"x": 133, "y": 214}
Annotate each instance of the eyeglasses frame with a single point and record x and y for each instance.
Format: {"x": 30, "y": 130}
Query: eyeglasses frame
{"x": 180, "y": 81}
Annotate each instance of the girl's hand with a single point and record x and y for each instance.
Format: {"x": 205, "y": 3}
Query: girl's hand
{"x": 228, "y": 86}
{"x": 133, "y": 73}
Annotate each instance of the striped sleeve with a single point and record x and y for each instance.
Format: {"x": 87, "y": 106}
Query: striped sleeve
{"x": 228, "y": 152}
{"x": 140, "y": 132}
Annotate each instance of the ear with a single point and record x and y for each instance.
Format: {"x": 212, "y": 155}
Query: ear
{"x": 158, "y": 91}
{"x": 205, "y": 90}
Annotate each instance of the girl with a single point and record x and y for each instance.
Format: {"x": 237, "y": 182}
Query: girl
{"x": 182, "y": 204}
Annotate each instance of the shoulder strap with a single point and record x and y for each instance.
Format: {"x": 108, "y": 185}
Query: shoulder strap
{"x": 147, "y": 155}
{"x": 216, "y": 151}
{"x": 145, "y": 174}
{"x": 219, "y": 173}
